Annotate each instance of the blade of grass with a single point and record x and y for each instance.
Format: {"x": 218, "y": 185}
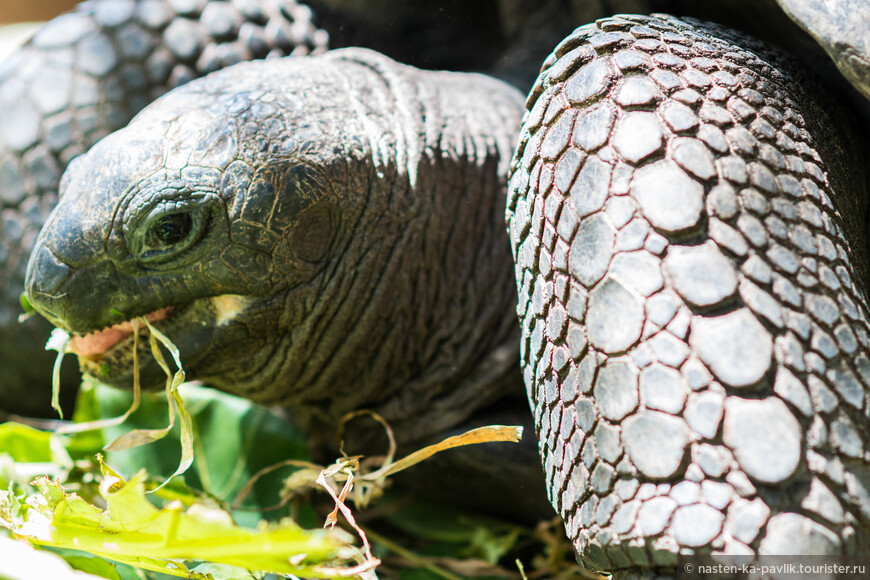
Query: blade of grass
{"x": 58, "y": 341}
{"x": 488, "y": 434}
{"x": 73, "y": 428}
{"x": 369, "y": 561}
{"x": 172, "y": 384}
{"x": 391, "y": 450}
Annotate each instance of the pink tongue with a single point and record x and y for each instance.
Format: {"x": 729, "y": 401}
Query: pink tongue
{"x": 102, "y": 340}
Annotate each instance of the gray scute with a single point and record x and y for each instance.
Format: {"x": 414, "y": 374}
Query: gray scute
{"x": 702, "y": 275}
{"x": 594, "y": 126}
{"x": 654, "y": 515}
{"x": 734, "y": 346}
{"x": 614, "y": 317}
{"x": 591, "y": 250}
{"x": 616, "y": 389}
{"x": 765, "y": 436}
{"x": 591, "y": 187}
{"x": 655, "y": 442}
{"x": 638, "y": 135}
{"x": 794, "y": 534}
{"x": 696, "y": 525}
{"x": 670, "y": 199}
{"x": 590, "y": 81}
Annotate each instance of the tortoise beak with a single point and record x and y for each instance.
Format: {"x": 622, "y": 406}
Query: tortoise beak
{"x": 45, "y": 277}
{"x": 75, "y": 299}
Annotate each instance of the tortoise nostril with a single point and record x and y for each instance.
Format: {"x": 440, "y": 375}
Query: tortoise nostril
{"x": 45, "y": 276}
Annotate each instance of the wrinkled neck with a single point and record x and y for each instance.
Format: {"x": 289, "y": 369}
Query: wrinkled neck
{"x": 427, "y": 283}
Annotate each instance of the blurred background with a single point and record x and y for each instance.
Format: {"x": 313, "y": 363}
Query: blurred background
{"x": 22, "y": 14}
{"x": 12, "y": 11}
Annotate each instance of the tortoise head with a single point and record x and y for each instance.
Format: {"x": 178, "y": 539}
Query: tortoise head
{"x": 215, "y": 214}
{"x": 273, "y": 219}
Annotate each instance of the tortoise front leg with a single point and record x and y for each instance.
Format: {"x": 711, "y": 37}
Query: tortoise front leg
{"x": 691, "y": 270}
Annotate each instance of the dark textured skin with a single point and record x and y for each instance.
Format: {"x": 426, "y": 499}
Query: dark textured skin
{"x": 312, "y": 181}
{"x": 816, "y": 321}
{"x": 81, "y": 77}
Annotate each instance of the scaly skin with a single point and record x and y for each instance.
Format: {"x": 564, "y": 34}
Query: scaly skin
{"x": 350, "y": 275}
{"x": 81, "y": 77}
{"x": 688, "y": 226}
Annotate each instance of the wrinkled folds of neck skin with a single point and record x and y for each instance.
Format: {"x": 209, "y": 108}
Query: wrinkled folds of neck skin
{"x": 415, "y": 320}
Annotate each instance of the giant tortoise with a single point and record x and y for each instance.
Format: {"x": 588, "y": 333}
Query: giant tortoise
{"x": 685, "y": 208}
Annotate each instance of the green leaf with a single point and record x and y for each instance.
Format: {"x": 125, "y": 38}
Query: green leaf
{"x": 25, "y": 444}
{"x": 132, "y": 530}
{"x": 490, "y": 545}
{"x": 455, "y": 533}
{"x": 176, "y": 404}
{"x": 25, "y": 304}
{"x": 93, "y": 565}
{"x": 222, "y": 572}
{"x": 418, "y": 574}
{"x": 10, "y": 507}
{"x": 439, "y": 523}
{"x": 234, "y": 439}
{"x": 87, "y": 409}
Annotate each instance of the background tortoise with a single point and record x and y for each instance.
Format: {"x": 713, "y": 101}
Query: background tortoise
{"x": 688, "y": 228}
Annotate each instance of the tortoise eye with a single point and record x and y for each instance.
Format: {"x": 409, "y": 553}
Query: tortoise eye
{"x": 165, "y": 233}
{"x": 171, "y": 229}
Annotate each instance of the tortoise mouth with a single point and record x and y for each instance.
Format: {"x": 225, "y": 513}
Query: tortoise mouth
{"x": 94, "y": 345}
{"x": 107, "y": 354}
